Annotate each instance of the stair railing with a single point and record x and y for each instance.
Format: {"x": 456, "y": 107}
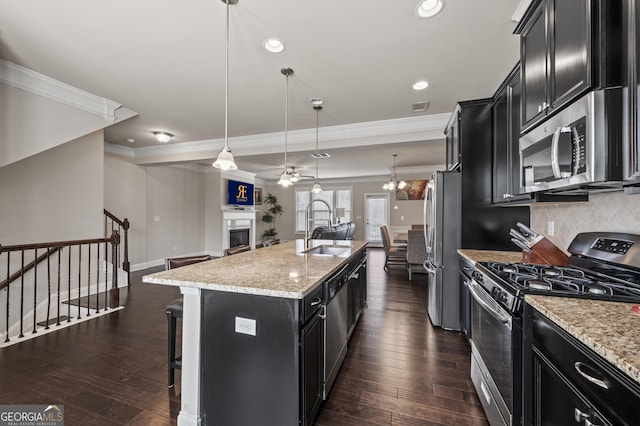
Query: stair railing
{"x": 68, "y": 276}
{"x": 111, "y": 223}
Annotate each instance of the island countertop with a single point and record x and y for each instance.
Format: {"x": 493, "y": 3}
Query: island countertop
{"x": 282, "y": 270}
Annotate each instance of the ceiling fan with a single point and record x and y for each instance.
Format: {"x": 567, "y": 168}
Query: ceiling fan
{"x": 295, "y": 176}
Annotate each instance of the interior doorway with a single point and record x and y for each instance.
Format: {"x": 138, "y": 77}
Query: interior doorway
{"x": 376, "y": 214}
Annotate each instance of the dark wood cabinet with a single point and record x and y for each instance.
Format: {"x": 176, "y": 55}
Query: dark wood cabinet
{"x": 556, "y": 56}
{"x": 631, "y": 89}
{"x": 452, "y": 139}
{"x": 557, "y": 401}
{"x": 506, "y": 138}
{"x": 312, "y": 361}
{"x": 565, "y": 382}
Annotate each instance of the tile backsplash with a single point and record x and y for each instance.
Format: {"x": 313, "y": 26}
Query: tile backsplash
{"x": 612, "y": 211}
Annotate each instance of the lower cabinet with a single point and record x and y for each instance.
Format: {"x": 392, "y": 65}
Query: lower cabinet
{"x": 557, "y": 401}
{"x": 568, "y": 383}
{"x": 312, "y": 361}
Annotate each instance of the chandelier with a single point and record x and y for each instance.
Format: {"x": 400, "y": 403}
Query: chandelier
{"x": 393, "y": 183}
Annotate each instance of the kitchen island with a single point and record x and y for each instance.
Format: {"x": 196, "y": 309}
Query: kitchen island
{"x": 251, "y": 342}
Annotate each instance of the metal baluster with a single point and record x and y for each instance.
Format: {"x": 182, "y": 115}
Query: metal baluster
{"x": 8, "y": 286}
{"x": 98, "y": 279}
{"x": 46, "y": 327}
{"x": 35, "y": 288}
{"x": 79, "y": 277}
{"x": 106, "y": 274}
{"x": 22, "y": 295}
{"x": 89, "y": 281}
{"x": 69, "y": 288}
{"x": 58, "y": 309}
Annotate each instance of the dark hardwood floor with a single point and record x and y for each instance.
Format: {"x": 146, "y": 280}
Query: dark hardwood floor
{"x": 112, "y": 369}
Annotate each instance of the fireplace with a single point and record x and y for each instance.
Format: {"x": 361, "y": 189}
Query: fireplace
{"x": 238, "y": 228}
{"x": 238, "y": 237}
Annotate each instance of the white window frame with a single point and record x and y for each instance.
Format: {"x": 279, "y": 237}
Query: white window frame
{"x": 299, "y": 214}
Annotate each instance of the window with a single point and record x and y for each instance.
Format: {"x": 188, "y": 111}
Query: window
{"x": 319, "y": 214}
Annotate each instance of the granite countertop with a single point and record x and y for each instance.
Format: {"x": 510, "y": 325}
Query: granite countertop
{"x": 491, "y": 255}
{"x": 611, "y": 329}
{"x": 282, "y": 270}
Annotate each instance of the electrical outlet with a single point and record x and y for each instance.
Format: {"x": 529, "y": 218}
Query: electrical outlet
{"x": 551, "y": 228}
{"x": 402, "y": 218}
{"x": 157, "y": 218}
{"x": 246, "y": 326}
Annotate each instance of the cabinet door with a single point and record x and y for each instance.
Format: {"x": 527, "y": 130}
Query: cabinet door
{"x": 533, "y": 45}
{"x": 452, "y": 136}
{"x": 556, "y": 401}
{"x": 312, "y": 363}
{"x": 514, "y": 95}
{"x": 571, "y": 49}
{"x": 501, "y": 141}
{"x": 631, "y": 91}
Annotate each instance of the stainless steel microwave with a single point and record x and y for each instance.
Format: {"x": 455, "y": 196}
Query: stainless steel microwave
{"x": 579, "y": 149}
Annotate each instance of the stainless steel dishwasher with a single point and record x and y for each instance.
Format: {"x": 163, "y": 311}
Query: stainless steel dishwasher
{"x": 335, "y": 328}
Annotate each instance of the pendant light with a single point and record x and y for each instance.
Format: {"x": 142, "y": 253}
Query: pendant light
{"x": 316, "y": 186}
{"x": 225, "y": 158}
{"x": 393, "y": 183}
{"x": 285, "y": 178}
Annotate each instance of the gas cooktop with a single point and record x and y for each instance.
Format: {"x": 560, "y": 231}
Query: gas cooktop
{"x": 602, "y": 266}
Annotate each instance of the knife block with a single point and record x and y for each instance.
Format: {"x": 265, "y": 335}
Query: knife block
{"x": 544, "y": 252}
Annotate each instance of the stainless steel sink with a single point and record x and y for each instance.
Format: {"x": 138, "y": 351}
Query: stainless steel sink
{"x": 325, "y": 250}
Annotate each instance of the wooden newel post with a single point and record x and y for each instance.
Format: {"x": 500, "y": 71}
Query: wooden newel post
{"x": 125, "y": 264}
{"x": 114, "y": 293}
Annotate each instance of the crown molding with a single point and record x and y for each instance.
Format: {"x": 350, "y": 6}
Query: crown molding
{"x": 34, "y": 82}
{"x": 420, "y": 128}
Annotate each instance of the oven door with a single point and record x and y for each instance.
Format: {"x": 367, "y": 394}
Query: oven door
{"x": 492, "y": 355}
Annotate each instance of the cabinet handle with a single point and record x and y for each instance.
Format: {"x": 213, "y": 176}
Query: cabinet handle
{"x": 316, "y": 301}
{"x": 579, "y": 416}
{"x": 579, "y": 366}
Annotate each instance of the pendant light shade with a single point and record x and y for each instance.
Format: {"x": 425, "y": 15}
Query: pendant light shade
{"x": 225, "y": 158}
{"x": 285, "y": 178}
{"x": 317, "y": 107}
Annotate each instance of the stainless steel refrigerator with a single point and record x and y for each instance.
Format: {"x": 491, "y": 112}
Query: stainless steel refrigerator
{"x": 442, "y": 217}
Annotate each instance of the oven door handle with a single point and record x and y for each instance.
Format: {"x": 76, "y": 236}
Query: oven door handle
{"x": 496, "y": 311}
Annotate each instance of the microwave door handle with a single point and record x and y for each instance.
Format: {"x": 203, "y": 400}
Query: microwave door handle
{"x": 575, "y": 161}
{"x": 555, "y": 160}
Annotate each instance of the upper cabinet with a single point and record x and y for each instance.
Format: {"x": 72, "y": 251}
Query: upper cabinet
{"x": 567, "y": 47}
{"x": 506, "y": 135}
{"x": 631, "y": 90}
{"x": 452, "y": 138}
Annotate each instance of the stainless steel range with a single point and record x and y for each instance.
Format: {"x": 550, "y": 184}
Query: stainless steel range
{"x": 602, "y": 266}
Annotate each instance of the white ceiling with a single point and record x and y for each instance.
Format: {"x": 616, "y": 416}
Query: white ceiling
{"x": 164, "y": 59}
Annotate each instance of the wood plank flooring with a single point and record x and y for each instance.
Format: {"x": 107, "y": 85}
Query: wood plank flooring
{"x": 112, "y": 370}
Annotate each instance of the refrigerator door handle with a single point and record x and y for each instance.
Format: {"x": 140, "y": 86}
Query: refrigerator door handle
{"x": 430, "y": 267}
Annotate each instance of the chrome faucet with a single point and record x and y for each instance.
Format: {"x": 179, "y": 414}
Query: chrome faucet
{"x": 306, "y": 219}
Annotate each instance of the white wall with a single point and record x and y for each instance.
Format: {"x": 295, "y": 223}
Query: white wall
{"x": 125, "y": 195}
{"x": 612, "y": 212}
{"x": 55, "y": 195}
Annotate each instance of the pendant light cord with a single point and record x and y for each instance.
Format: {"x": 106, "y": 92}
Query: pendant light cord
{"x": 286, "y": 120}
{"x": 317, "y": 108}
{"x": 226, "y": 83}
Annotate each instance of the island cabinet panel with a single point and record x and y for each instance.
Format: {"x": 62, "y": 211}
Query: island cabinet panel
{"x": 250, "y": 379}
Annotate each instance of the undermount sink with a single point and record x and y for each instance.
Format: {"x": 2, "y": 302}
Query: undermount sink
{"x": 325, "y": 250}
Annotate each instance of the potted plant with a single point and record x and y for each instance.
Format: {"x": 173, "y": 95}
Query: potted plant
{"x": 269, "y": 216}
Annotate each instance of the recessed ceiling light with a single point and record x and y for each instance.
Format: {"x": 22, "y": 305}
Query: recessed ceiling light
{"x": 429, "y": 8}
{"x": 163, "y": 137}
{"x": 420, "y": 85}
{"x": 131, "y": 140}
{"x": 273, "y": 45}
